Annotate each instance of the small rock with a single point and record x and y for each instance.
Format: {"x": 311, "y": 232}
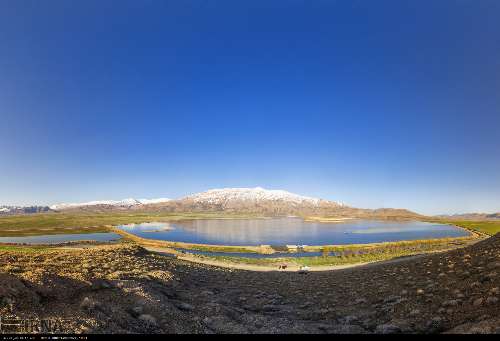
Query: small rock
{"x": 491, "y": 300}
{"x": 392, "y": 299}
{"x": 493, "y": 265}
{"x": 270, "y": 308}
{"x": 89, "y": 304}
{"x": 349, "y": 329}
{"x": 185, "y": 306}
{"x": 350, "y": 319}
{"x": 387, "y": 329}
{"x": 414, "y": 313}
{"x": 324, "y": 327}
{"x": 207, "y": 321}
{"x": 148, "y": 319}
{"x": 451, "y": 303}
{"x": 258, "y": 324}
{"x": 478, "y": 302}
{"x": 491, "y": 276}
{"x": 360, "y": 301}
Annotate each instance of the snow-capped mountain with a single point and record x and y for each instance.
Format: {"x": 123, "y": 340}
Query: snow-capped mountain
{"x": 258, "y": 200}
{"x": 250, "y": 200}
{"x": 125, "y": 203}
{"x": 153, "y": 201}
{"x": 7, "y": 210}
{"x": 253, "y": 195}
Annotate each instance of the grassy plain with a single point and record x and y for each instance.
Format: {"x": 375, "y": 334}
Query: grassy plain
{"x": 24, "y": 248}
{"x": 61, "y": 223}
{"x": 64, "y": 223}
{"x": 352, "y": 254}
{"x": 488, "y": 227}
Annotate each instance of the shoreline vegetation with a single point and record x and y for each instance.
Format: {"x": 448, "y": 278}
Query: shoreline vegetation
{"x": 343, "y": 255}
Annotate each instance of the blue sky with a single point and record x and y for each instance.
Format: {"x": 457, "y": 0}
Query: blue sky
{"x": 373, "y": 103}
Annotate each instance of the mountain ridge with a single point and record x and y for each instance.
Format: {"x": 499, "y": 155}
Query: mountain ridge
{"x": 124, "y": 203}
{"x": 256, "y": 200}
{"x": 471, "y": 216}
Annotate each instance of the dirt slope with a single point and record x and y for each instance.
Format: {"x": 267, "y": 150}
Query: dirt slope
{"x": 125, "y": 289}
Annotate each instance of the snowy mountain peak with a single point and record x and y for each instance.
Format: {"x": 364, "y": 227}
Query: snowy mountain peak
{"x": 22, "y": 209}
{"x": 153, "y": 201}
{"x": 130, "y": 202}
{"x": 223, "y": 198}
{"x": 257, "y": 194}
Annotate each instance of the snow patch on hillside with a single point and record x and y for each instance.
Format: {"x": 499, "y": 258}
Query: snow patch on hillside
{"x": 153, "y": 201}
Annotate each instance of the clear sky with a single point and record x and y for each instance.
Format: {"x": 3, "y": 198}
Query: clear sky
{"x": 373, "y": 103}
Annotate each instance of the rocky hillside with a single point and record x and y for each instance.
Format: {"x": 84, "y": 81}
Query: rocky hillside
{"x": 471, "y": 216}
{"x": 239, "y": 200}
{"x": 271, "y": 202}
{"x": 125, "y": 289}
{"x": 107, "y": 205}
{"x": 249, "y": 200}
{"x": 11, "y": 210}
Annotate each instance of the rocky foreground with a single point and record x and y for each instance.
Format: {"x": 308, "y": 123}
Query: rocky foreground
{"x": 125, "y": 289}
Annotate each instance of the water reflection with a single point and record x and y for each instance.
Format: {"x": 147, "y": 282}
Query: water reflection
{"x": 291, "y": 231}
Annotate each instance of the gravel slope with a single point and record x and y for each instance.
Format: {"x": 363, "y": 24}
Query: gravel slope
{"x": 125, "y": 289}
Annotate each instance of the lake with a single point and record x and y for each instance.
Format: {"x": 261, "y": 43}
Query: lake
{"x": 291, "y": 231}
{"x": 61, "y": 238}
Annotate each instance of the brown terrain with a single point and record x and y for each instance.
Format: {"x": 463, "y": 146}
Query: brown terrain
{"x": 472, "y": 216}
{"x": 280, "y": 208}
{"x": 126, "y": 289}
{"x": 263, "y": 208}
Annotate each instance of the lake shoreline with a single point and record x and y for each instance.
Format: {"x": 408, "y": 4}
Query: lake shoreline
{"x": 268, "y": 249}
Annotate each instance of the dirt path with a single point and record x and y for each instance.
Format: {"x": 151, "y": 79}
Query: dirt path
{"x": 266, "y": 268}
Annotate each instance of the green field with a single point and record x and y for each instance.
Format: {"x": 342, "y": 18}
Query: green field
{"x": 29, "y": 249}
{"x": 64, "y": 223}
{"x": 352, "y": 254}
{"x": 488, "y": 227}
{"x": 315, "y": 261}
{"x": 61, "y": 223}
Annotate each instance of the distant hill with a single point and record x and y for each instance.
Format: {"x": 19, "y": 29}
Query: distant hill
{"x": 238, "y": 200}
{"x": 12, "y": 210}
{"x": 272, "y": 202}
{"x": 472, "y": 216}
{"x": 107, "y": 205}
{"x": 248, "y": 200}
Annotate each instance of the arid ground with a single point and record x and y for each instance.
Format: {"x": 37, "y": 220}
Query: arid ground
{"x": 126, "y": 289}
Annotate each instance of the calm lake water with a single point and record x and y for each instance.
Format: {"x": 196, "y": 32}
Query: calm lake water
{"x": 291, "y": 231}
{"x": 61, "y": 238}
